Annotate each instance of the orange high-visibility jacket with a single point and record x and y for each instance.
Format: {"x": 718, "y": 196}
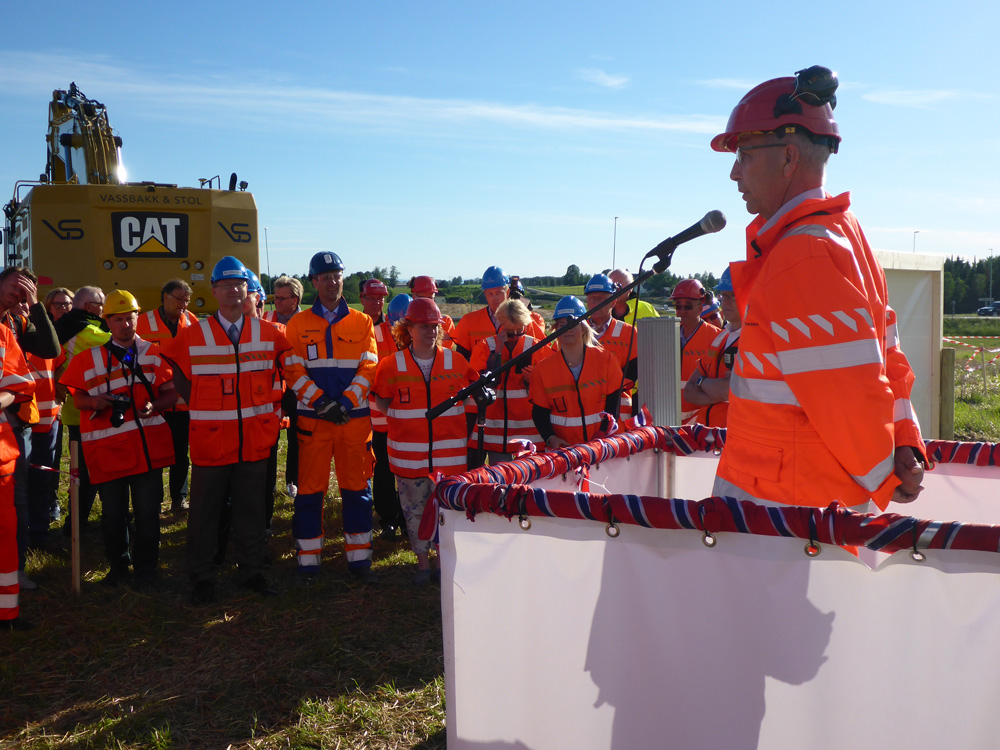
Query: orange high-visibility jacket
{"x": 479, "y": 324}
{"x": 509, "y": 417}
{"x": 813, "y": 416}
{"x": 235, "y": 395}
{"x": 150, "y": 327}
{"x": 692, "y": 351}
{"x": 43, "y": 372}
{"x": 449, "y": 331}
{"x": 619, "y": 338}
{"x": 576, "y": 404}
{"x": 137, "y": 445}
{"x": 717, "y": 363}
{"x": 385, "y": 345}
{"x": 411, "y": 440}
{"x": 336, "y": 360}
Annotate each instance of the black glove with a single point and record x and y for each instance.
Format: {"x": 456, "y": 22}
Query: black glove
{"x": 331, "y": 411}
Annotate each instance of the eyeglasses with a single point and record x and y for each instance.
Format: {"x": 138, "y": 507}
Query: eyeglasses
{"x": 290, "y": 296}
{"x": 231, "y": 283}
{"x": 741, "y": 149}
{"x": 62, "y": 305}
{"x": 96, "y": 303}
{"x": 684, "y": 307}
{"x": 182, "y": 300}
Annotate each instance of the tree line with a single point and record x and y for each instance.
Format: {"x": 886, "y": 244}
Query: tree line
{"x": 967, "y": 286}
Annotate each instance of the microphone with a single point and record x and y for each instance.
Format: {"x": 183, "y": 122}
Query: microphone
{"x": 712, "y": 222}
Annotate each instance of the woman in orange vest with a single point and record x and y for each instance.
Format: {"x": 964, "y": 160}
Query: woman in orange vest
{"x": 422, "y": 374}
{"x": 570, "y": 392}
{"x": 509, "y": 417}
{"x": 697, "y": 336}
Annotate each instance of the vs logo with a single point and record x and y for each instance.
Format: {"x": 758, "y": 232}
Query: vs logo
{"x": 150, "y": 234}
{"x": 237, "y": 232}
{"x": 66, "y": 229}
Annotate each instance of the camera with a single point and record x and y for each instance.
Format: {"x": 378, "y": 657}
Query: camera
{"x": 120, "y": 404}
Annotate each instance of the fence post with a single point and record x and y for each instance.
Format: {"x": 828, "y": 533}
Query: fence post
{"x": 947, "y": 416}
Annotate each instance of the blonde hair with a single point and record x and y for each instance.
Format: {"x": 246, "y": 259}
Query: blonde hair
{"x": 289, "y": 281}
{"x": 51, "y": 296}
{"x": 514, "y": 311}
{"x": 586, "y": 332}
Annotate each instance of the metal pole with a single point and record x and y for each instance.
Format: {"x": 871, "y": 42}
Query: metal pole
{"x": 991, "y": 275}
{"x": 614, "y": 245}
{"x": 915, "y": 240}
{"x": 267, "y": 255}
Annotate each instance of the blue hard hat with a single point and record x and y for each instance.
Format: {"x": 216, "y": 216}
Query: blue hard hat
{"x": 569, "y": 307}
{"x": 725, "y": 283}
{"x": 253, "y": 283}
{"x": 494, "y": 277}
{"x": 229, "y": 268}
{"x": 325, "y": 262}
{"x": 397, "y": 308}
{"x": 600, "y": 283}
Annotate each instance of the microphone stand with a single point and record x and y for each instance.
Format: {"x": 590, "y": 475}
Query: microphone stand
{"x": 482, "y": 393}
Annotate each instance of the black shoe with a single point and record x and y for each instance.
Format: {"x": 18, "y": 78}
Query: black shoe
{"x": 364, "y": 575}
{"x": 203, "y": 592}
{"x": 259, "y": 584}
{"x": 178, "y": 505}
{"x": 115, "y": 578}
{"x": 388, "y": 534}
{"x": 17, "y": 625}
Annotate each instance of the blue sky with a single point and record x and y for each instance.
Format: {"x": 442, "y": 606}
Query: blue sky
{"x": 446, "y": 137}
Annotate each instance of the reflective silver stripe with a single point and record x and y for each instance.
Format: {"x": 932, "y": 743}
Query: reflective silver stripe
{"x": 226, "y": 415}
{"x": 773, "y": 359}
{"x": 438, "y": 444}
{"x": 818, "y": 230}
{"x": 823, "y": 323}
{"x": 876, "y": 476}
{"x": 405, "y": 463}
{"x": 151, "y": 321}
{"x": 512, "y": 424}
{"x": 128, "y": 426}
{"x": 12, "y": 378}
{"x": 519, "y": 393}
{"x": 865, "y": 316}
{"x": 8, "y": 601}
{"x": 456, "y": 410}
{"x": 891, "y": 337}
{"x": 802, "y": 327}
{"x": 831, "y": 357}
{"x": 227, "y": 368}
{"x": 753, "y": 360}
{"x": 294, "y": 359}
{"x": 447, "y": 358}
{"x": 778, "y": 330}
{"x": 8, "y": 579}
{"x": 346, "y": 364}
{"x": 215, "y": 350}
{"x": 309, "y": 559}
{"x": 902, "y": 408}
{"x": 309, "y": 545}
{"x": 574, "y": 421}
{"x": 762, "y": 391}
{"x": 401, "y": 360}
{"x": 846, "y": 319}
{"x": 369, "y": 357}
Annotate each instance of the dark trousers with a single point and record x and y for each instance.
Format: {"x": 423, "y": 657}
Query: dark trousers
{"x": 384, "y": 494}
{"x": 46, "y": 450}
{"x": 23, "y": 435}
{"x": 211, "y": 486}
{"x": 88, "y": 491}
{"x": 146, "y": 491}
{"x": 179, "y": 423}
{"x": 292, "y": 456}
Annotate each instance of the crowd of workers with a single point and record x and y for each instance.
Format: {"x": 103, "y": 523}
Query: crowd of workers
{"x": 815, "y": 395}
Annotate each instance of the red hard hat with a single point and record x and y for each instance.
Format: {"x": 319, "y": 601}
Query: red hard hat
{"x": 688, "y": 289}
{"x": 782, "y": 103}
{"x": 374, "y": 288}
{"x": 423, "y": 310}
{"x": 423, "y": 286}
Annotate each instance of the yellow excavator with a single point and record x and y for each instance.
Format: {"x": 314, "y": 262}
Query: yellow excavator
{"x": 81, "y": 223}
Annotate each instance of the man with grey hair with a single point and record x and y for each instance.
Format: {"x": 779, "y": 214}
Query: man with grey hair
{"x": 624, "y": 308}
{"x": 79, "y": 330}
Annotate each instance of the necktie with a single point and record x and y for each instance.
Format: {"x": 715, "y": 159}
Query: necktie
{"x": 234, "y": 334}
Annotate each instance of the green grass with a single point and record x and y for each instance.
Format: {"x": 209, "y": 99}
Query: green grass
{"x": 977, "y": 391}
{"x": 332, "y": 664}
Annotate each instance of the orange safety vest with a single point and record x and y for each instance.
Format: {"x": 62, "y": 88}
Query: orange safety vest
{"x": 576, "y": 404}
{"x": 479, "y": 324}
{"x": 271, "y": 316}
{"x": 235, "y": 394}
{"x": 150, "y": 327}
{"x": 14, "y": 377}
{"x": 813, "y": 415}
{"x": 411, "y": 440}
{"x": 43, "y": 372}
{"x": 509, "y": 417}
{"x": 449, "y": 331}
{"x": 385, "y": 345}
{"x": 137, "y": 445}
{"x": 27, "y": 410}
{"x": 336, "y": 360}
{"x": 692, "y": 351}
{"x": 717, "y": 363}
{"x": 619, "y": 338}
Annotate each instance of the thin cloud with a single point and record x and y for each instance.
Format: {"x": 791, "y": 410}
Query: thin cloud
{"x": 919, "y": 99}
{"x": 602, "y": 79}
{"x": 226, "y": 99}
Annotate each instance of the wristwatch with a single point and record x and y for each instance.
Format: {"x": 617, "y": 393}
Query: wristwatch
{"x": 699, "y": 381}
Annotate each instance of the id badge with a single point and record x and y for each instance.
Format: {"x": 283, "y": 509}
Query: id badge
{"x": 312, "y": 351}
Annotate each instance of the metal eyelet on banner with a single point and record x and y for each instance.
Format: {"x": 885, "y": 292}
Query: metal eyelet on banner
{"x": 812, "y": 549}
{"x": 709, "y": 540}
{"x": 918, "y": 556}
{"x": 524, "y": 522}
{"x": 612, "y": 530}
{"x": 597, "y": 467}
{"x": 440, "y": 519}
{"x": 564, "y": 477}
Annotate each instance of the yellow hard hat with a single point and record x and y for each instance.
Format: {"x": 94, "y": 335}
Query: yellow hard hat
{"x": 120, "y": 301}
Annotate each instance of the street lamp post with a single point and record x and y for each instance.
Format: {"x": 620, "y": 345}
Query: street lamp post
{"x": 915, "y": 240}
{"x": 614, "y": 245}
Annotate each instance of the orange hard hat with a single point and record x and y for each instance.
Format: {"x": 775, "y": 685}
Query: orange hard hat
{"x": 785, "y": 105}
